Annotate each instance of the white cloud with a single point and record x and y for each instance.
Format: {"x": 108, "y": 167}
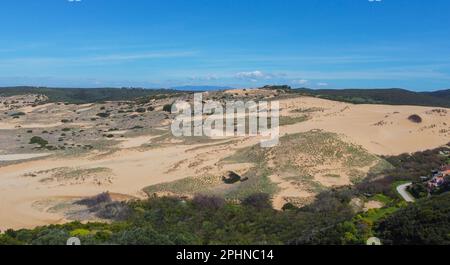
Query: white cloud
{"x": 251, "y": 75}
{"x": 322, "y": 84}
{"x": 300, "y": 82}
{"x": 255, "y": 76}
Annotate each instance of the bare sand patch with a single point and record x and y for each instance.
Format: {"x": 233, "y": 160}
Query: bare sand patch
{"x": 135, "y": 141}
{"x": 16, "y": 157}
{"x": 15, "y": 125}
{"x": 288, "y": 191}
{"x": 396, "y": 134}
{"x": 372, "y": 205}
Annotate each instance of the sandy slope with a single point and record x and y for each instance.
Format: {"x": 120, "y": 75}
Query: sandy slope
{"x": 381, "y": 129}
{"x": 378, "y": 128}
{"x": 132, "y": 170}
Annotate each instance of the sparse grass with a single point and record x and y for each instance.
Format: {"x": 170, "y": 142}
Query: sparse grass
{"x": 381, "y": 166}
{"x": 382, "y": 198}
{"x": 297, "y": 156}
{"x": 288, "y": 120}
{"x": 186, "y": 186}
{"x": 374, "y": 215}
{"x": 258, "y": 182}
{"x": 66, "y": 173}
{"x": 333, "y": 176}
{"x": 356, "y": 175}
{"x": 308, "y": 110}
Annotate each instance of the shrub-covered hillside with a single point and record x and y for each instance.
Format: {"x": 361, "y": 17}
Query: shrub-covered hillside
{"x": 85, "y": 95}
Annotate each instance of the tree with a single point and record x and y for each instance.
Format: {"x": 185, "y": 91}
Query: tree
{"x": 167, "y": 108}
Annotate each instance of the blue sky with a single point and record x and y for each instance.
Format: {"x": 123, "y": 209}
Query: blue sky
{"x": 241, "y": 43}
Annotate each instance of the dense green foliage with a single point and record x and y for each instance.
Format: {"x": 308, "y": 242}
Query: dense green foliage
{"x": 84, "y": 95}
{"x": 426, "y": 222}
{"x": 206, "y": 220}
{"x": 212, "y": 220}
{"x": 167, "y": 108}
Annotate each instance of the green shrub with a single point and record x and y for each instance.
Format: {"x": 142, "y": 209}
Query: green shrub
{"x": 141, "y": 110}
{"x": 103, "y": 115}
{"x": 167, "y": 108}
{"x": 38, "y": 140}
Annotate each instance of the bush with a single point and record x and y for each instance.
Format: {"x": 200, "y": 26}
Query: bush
{"x": 418, "y": 190}
{"x": 95, "y": 200}
{"x": 231, "y": 178}
{"x": 258, "y": 200}
{"x": 38, "y": 140}
{"x": 167, "y": 108}
{"x": 415, "y": 118}
{"x": 208, "y": 202}
{"x": 116, "y": 211}
{"x": 51, "y": 237}
{"x": 141, "y": 110}
{"x": 103, "y": 115}
{"x": 289, "y": 206}
{"x": 142, "y": 236}
{"x": 17, "y": 114}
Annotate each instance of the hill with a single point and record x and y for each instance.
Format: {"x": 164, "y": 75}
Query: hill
{"x": 86, "y": 95}
{"x": 201, "y": 88}
{"x": 444, "y": 94}
{"x": 392, "y": 96}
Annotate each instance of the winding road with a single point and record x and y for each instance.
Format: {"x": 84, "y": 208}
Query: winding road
{"x": 401, "y": 189}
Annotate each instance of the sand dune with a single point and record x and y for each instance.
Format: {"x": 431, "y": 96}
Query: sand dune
{"x": 383, "y": 130}
{"x": 358, "y": 123}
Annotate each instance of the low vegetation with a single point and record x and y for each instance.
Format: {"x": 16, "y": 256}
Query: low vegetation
{"x": 392, "y": 96}
{"x": 203, "y": 220}
{"x": 415, "y": 118}
{"x": 406, "y": 168}
{"x": 91, "y": 95}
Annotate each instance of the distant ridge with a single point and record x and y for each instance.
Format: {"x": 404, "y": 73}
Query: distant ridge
{"x": 86, "y": 95}
{"x": 444, "y": 94}
{"x": 201, "y": 88}
{"x": 392, "y": 96}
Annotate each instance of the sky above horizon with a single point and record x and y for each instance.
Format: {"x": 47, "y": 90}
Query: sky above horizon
{"x": 237, "y": 43}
